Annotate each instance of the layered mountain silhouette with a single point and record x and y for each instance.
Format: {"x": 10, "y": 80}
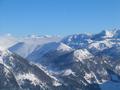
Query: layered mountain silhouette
{"x": 74, "y": 62}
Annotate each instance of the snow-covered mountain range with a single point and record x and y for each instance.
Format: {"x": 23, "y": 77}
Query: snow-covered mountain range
{"x": 74, "y": 62}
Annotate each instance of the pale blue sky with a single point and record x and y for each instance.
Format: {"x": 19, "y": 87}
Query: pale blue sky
{"x": 58, "y": 17}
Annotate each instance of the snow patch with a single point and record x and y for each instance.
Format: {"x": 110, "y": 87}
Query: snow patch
{"x": 82, "y": 54}
{"x": 88, "y": 77}
{"x": 68, "y": 72}
{"x": 29, "y": 76}
{"x": 62, "y": 47}
{"x": 56, "y": 83}
{"x": 1, "y": 60}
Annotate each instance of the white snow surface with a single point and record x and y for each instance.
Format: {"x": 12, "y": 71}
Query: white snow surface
{"x": 29, "y": 44}
{"x": 29, "y": 76}
{"x": 68, "y": 72}
{"x": 103, "y": 44}
{"x": 57, "y": 47}
{"x": 82, "y": 54}
{"x": 108, "y": 34}
{"x": 88, "y": 77}
{"x": 63, "y": 47}
{"x": 56, "y": 83}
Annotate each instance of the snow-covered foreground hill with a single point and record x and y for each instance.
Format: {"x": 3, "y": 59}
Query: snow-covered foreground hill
{"x": 74, "y": 62}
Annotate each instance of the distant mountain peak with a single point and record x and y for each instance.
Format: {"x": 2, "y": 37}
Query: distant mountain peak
{"x": 82, "y": 54}
{"x": 63, "y": 47}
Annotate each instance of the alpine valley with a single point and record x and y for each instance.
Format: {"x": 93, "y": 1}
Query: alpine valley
{"x": 74, "y": 62}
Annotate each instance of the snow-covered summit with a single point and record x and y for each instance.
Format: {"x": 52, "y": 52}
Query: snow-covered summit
{"x": 104, "y": 34}
{"x": 68, "y": 64}
{"x": 100, "y": 41}
{"x": 82, "y": 54}
{"x": 63, "y": 47}
{"x": 108, "y": 34}
{"x": 29, "y": 44}
{"x": 53, "y": 47}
